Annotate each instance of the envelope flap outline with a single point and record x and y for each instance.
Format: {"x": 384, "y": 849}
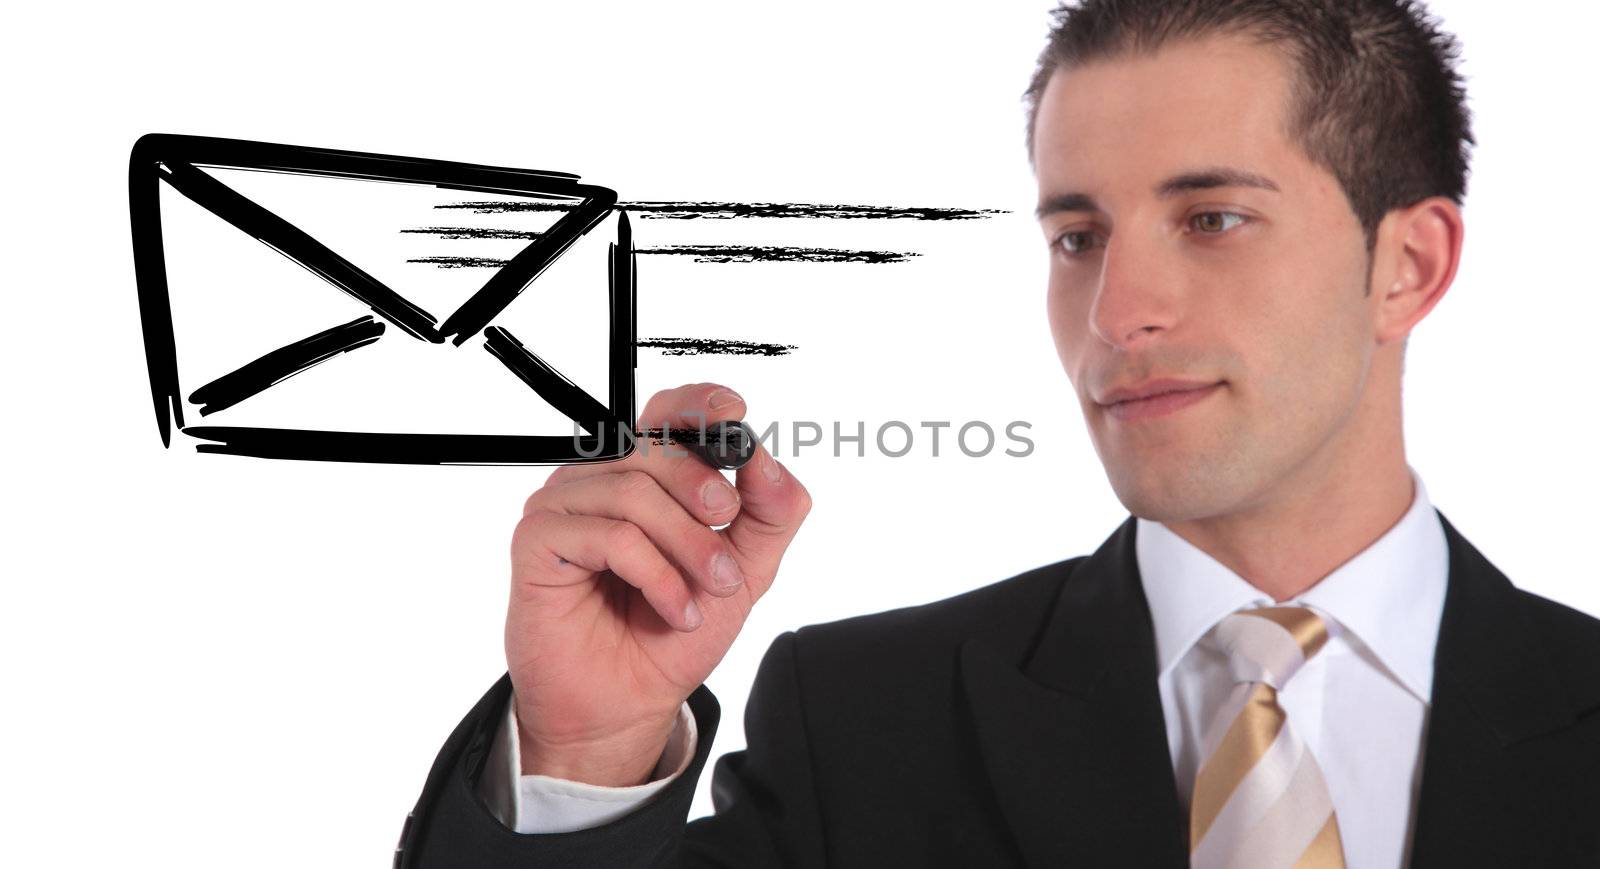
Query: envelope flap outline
{"x": 178, "y": 161}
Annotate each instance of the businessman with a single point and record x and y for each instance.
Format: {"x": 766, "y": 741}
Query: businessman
{"x": 1285, "y": 656}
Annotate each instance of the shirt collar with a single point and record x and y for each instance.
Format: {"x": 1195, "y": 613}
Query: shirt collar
{"x": 1390, "y": 596}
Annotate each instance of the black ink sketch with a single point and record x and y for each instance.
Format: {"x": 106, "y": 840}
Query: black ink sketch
{"x": 601, "y": 423}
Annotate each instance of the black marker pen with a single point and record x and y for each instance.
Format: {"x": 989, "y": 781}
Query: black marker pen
{"x": 723, "y": 445}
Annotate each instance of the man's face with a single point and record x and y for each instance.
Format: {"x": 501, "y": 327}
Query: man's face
{"x": 1258, "y": 290}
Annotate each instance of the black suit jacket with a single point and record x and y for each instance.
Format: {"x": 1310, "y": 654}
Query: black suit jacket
{"x": 1020, "y": 725}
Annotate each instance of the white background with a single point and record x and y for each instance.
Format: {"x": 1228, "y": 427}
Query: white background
{"x": 212, "y": 660}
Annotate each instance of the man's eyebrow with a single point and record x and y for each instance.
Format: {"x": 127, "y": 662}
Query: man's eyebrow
{"x": 1206, "y": 179}
{"x": 1203, "y": 179}
{"x": 1064, "y": 202}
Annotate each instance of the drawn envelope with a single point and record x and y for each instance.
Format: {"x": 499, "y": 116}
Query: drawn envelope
{"x": 310, "y": 335}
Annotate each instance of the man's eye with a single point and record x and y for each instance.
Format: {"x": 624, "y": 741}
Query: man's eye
{"x": 1074, "y": 243}
{"x": 1214, "y": 222}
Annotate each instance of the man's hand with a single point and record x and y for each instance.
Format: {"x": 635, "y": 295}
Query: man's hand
{"x": 623, "y": 598}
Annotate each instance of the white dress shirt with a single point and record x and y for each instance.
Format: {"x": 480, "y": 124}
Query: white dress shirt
{"x": 1360, "y": 704}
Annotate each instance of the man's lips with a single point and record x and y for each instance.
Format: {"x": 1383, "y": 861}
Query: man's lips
{"x": 1151, "y": 387}
{"x": 1156, "y": 398}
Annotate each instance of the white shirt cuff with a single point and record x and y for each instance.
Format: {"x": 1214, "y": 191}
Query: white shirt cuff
{"x": 545, "y": 804}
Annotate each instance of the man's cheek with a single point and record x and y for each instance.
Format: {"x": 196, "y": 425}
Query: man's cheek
{"x": 1066, "y": 318}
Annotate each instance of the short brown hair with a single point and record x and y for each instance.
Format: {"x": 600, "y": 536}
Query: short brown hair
{"x": 1377, "y": 100}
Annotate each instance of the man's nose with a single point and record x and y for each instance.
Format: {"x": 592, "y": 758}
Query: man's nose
{"x": 1137, "y": 295}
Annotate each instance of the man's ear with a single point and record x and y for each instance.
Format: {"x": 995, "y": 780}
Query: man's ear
{"x": 1417, "y": 253}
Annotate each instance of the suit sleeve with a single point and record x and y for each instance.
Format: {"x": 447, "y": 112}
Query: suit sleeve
{"x": 764, "y": 796}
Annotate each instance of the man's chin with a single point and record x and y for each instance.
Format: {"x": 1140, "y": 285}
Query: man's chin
{"x": 1178, "y": 493}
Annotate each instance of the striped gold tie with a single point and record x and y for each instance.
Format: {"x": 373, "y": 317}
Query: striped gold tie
{"x": 1259, "y": 799}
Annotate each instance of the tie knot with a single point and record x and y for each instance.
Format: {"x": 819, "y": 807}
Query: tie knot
{"x": 1270, "y": 644}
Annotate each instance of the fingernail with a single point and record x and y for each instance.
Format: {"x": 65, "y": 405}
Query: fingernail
{"x": 718, "y": 496}
{"x": 771, "y": 468}
{"x": 725, "y": 571}
{"x": 722, "y": 398}
{"x": 691, "y": 614}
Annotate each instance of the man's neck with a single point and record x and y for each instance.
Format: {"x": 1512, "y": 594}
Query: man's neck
{"x": 1288, "y": 547}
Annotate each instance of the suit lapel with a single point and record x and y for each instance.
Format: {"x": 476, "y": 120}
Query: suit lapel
{"x": 1491, "y": 787}
{"x": 1071, "y": 730}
